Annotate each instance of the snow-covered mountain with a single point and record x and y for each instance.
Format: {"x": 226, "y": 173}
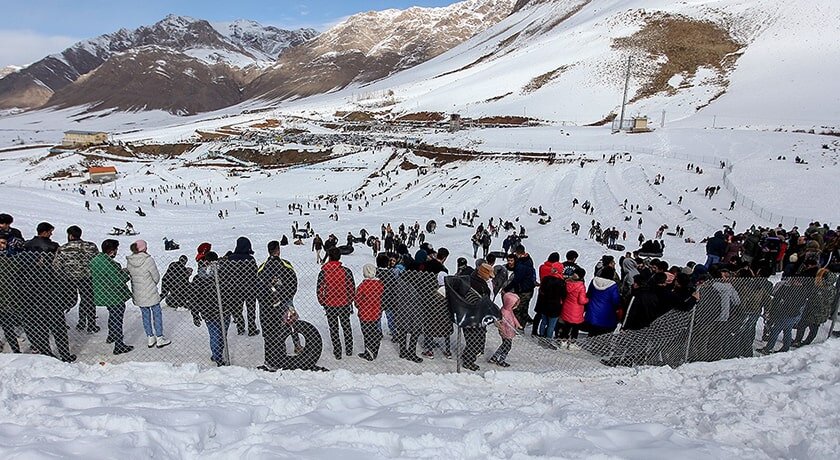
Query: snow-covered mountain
{"x": 372, "y": 45}
{"x": 746, "y": 62}
{"x": 9, "y": 69}
{"x": 235, "y": 45}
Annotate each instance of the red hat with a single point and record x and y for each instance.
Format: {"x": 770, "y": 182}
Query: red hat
{"x": 202, "y": 250}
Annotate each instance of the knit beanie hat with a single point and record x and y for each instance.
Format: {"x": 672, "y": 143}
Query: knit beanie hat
{"x": 485, "y": 271}
{"x": 202, "y": 250}
{"x": 141, "y": 245}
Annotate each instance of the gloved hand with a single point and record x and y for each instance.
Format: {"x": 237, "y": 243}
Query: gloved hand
{"x": 197, "y": 321}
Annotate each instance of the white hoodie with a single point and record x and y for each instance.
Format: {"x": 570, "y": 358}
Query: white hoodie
{"x": 144, "y": 279}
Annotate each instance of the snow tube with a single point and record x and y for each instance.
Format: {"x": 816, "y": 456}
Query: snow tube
{"x": 313, "y": 345}
{"x": 450, "y": 226}
{"x": 467, "y": 308}
{"x": 498, "y": 254}
{"x": 346, "y": 249}
{"x": 431, "y": 226}
{"x": 616, "y": 247}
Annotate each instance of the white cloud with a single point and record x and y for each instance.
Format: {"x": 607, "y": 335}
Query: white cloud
{"x": 23, "y": 47}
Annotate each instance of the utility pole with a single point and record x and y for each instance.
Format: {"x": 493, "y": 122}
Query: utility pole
{"x": 626, "y": 88}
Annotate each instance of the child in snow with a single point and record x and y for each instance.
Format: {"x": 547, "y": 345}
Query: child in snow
{"x": 369, "y": 305}
{"x": 507, "y": 328}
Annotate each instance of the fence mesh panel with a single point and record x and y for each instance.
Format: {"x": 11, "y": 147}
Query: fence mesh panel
{"x": 315, "y": 316}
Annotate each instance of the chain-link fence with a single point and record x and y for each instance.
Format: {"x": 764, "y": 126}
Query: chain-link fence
{"x": 384, "y": 320}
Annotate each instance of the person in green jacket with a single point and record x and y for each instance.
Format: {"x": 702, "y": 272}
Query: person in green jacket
{"x": 110, "y": 290}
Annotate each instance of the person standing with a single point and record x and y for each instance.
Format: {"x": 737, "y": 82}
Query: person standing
{"x": 44, "y": 299}
{"x": 335, "y": 291}
{"x": 368, "y": 300}
{"x": 108, "y": 283}
{"x": 604, "y": 301}
{"x": 206, "y": 306}
{"x": 14, "y": 239}
{"x": 715, "y": 249}
{"x": 318, "y": 246}
{"x": 574, "y": 305}
{"x": 549, "y": 301}
{"x": 175, "y": 284}
{"x": 239, "y": 276}
{"x": 72, "y": 260}
{"x": 523, "y": 283}
{"x": 8, "y": 303}
{"x": 277, "y": 285}
{"x": 475, "y": 335}
{"x": 508, "y": 326}
{"x": 42, "y": 242}
{"x": 144, "y": 279}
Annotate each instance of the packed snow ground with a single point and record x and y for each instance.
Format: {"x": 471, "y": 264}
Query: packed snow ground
{"x": 781, "y": 406}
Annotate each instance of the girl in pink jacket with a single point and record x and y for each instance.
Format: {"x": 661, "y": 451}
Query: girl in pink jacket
{"x": 507, "y": 328}
{"x": 573, "y": 306}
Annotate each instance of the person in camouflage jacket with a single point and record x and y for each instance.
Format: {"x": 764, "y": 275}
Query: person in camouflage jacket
{"x": 72, "y": 261}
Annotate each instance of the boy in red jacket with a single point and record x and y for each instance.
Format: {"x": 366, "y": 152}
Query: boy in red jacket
{"x": 369, "y": 306}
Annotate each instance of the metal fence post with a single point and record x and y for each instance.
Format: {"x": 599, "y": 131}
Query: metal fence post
{"x": 459, "y": 351}
{"x": 836, "y": 308}
{"x": 690, "y": 333}
{"x": 221, "y": 313}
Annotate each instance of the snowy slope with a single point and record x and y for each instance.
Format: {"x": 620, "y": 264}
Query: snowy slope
{"x": 562, "y": 61}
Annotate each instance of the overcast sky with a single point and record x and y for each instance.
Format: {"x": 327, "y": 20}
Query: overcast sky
{"x": 32, "y": 29}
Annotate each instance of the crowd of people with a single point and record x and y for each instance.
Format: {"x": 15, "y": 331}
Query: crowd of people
{"x": 42, "y": 280}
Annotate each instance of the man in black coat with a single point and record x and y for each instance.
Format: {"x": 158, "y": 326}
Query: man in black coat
{"x": 44, "y": 299}
{"x": 523, "y": 283}
{"x": 277, "y": 285}
{"x": 175, "y": 283}
{"x": 475, "y": 335}
{"x": 14, "y": 239}
{"x": 715, "y": 249}
{"x": 42, "y": 242}
{"x": 238, "y": 277}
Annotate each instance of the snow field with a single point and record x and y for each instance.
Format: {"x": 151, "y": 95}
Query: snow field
{"x": 771, "y": 407}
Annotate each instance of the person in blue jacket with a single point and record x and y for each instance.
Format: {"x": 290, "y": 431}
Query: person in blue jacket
{"x": 604, "y": 302}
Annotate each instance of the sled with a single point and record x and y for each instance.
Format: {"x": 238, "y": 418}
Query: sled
{"x": 346, "y": 249}
{"x": 498, "y": 254}
{"x": 545, "y": 221}
{"x": 450, "y": 226}
{"x": 431, "y": 226}
{"x": 313, "y": 345}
